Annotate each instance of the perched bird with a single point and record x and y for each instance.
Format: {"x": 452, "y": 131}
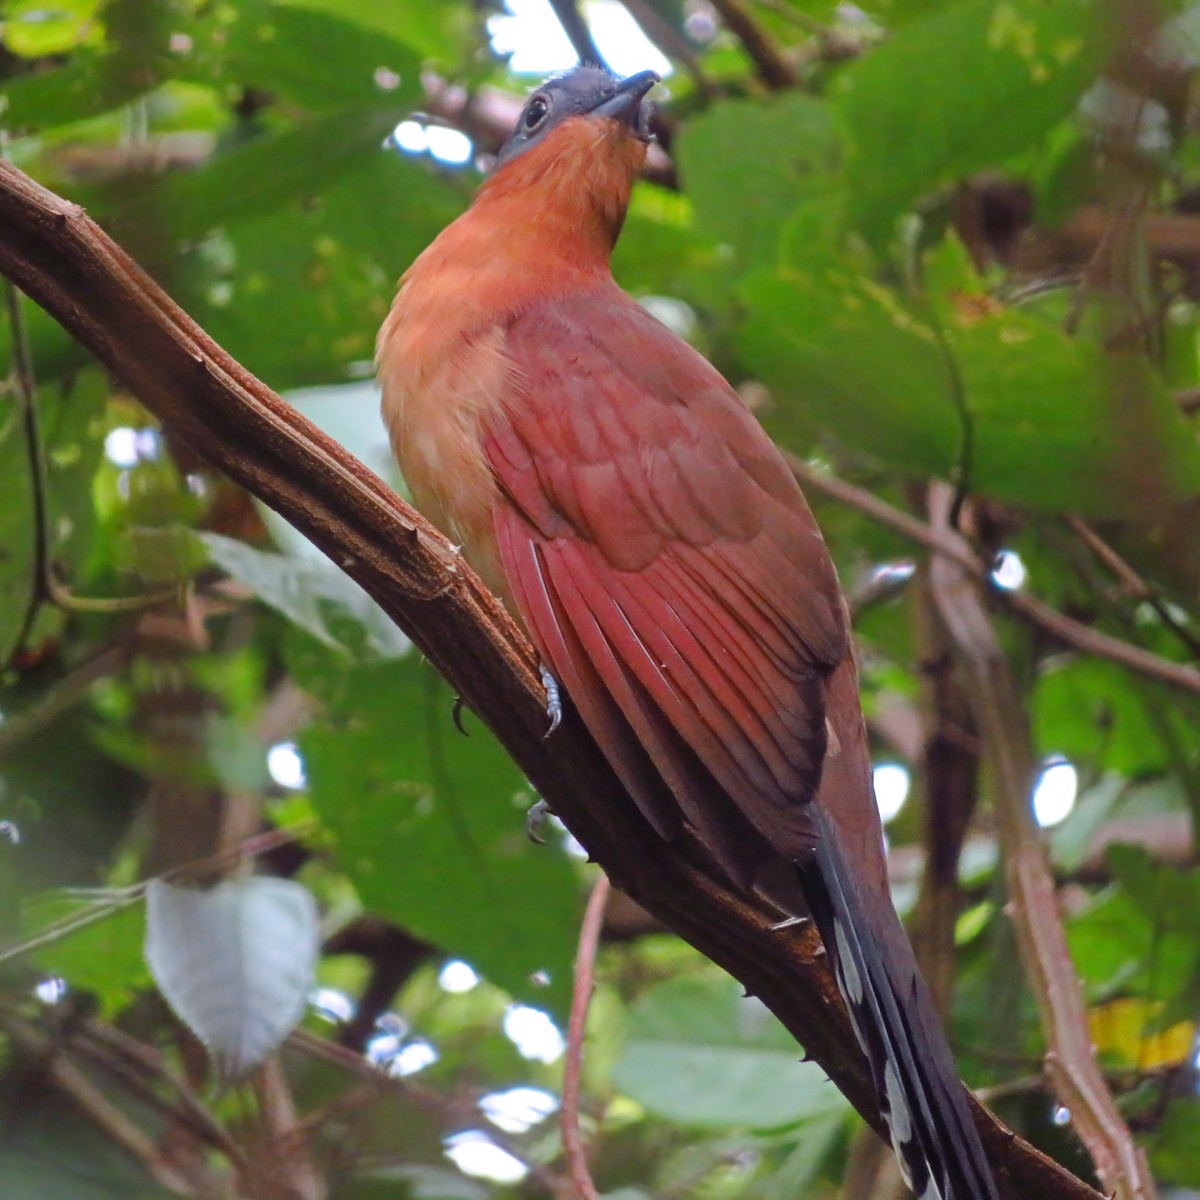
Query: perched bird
{"x": 611, "y": 487}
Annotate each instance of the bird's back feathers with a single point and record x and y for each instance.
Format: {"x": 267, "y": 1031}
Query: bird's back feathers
{"x": 651, "y": 524}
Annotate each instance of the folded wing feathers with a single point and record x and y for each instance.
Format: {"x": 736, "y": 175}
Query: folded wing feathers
{"x": 659, "y": 552}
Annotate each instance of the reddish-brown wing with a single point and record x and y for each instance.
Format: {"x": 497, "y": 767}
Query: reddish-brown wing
{"x": 668, "y": 570}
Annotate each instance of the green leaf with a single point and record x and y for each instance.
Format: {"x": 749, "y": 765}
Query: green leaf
{"x": 847, "y": 353}
{"x": 1123, "y": 945}
{"x": 117, "y": 58}
{"x": 438, "y": 29}
{"x": 959, "y": 91}
{"x": 315, "y": 58}
{"x": 1168, "y": 896}
{"x": 103, "y": 957}
{"x": 84, "y": 88}
{"x": 35, "y": 29}
{"x": 797, "y": 1175}
{"x": 314, "y": 595}
{"x": 1058, "y": 425}
{"x": 258, "y": 177}
{"x": 1071, "y": 841}
{"x": 430, "y": 825}
{"x": 235, "y": 962}
{"x": 306, "y": 288}
{"x": 747, "y": 163}
{"x": 1053, "y": 421}
{"x": 661, "y": 252}
{"x": 1173, "y": 1146}
{"x": 1095, "y": 713}
{"x": 963, "y": 388}
{"x": 698, "y": 1052}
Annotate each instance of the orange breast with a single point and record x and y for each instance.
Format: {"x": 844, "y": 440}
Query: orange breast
{"x": 433, "y": 405}
{"x": 441, "y": 353}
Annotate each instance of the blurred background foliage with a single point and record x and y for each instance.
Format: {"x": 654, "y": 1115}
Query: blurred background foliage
{"x": 927, "y": 239}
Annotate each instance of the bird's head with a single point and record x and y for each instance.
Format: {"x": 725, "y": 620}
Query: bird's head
{"x": 578, "y": 146}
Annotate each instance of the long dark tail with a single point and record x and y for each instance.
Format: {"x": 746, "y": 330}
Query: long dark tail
{"x": 916, "y": 1082}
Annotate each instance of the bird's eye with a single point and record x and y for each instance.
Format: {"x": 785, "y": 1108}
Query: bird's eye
{"x": 535, "y": 111}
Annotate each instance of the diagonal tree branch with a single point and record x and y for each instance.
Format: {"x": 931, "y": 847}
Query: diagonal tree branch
{"x": 773, "y": 69}
{"x": 66, "y": 263}
{"x": 1008, "y": 746}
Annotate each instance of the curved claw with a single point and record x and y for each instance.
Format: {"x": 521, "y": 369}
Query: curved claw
{"x": 553, "y": 700}
{"x": 456, "y": 716}
{"x": 535, "y": 821}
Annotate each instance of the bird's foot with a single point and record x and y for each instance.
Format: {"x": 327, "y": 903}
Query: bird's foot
{"x": 553, "y": 700}
{"x": 535, "y": 822}
{"x": 456, "y": 716}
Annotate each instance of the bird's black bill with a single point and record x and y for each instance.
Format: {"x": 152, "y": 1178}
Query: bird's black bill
{"x": 625, "y": 104}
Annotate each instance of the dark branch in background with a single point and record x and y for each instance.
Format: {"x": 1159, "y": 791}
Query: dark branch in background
{"x": 773, "y": 69}
{"x": 394, "y": 955}
{"x": 949, "y": 778}
{"x": 578, "y": 33}
{"x": 65, "y": 262}
{"x": 1008, "y": 748}
{"x": 22, "y": 384}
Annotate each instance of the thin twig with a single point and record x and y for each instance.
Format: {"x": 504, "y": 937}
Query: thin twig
{"x": 1029, "y": 608}
{"x": 1071, "y": 1060}
{"x": 1135, "y": 586}
{"x": 56, "y": 930}
{"x": 773, "y": 69}
{"x": 62, "y": 597}
{"x": 139, "y": 1068}
{"x": 110, "y": 1119}
{"x": 142, "y": 1069}
{"x": 64, "y": 695}
{"x": 451, "y": 1111}
{"x": 110, "y": 900}
{"x": 585, "y": 962}
{"x": 1120, "y": 1080}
